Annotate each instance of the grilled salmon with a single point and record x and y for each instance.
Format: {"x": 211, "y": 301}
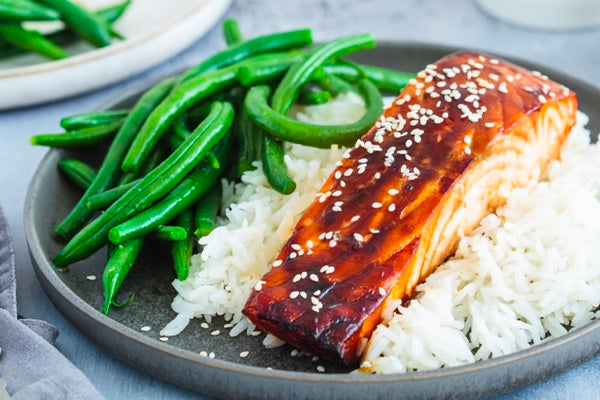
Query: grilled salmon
{"x": 459, "y": 137}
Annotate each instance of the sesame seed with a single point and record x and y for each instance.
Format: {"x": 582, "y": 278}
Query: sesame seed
{"x": 392, "y": 207}
{"x": 163, "y": 338}
{"x": 382, "y": 291}
{"x": 244, "y": 354}
{"x": 228, "y": 326}
{"x": 348, "y": 172}
{"x": 358, "y": 237}
{"x": 355, "y": 218}
{"x": 337, "y": 193}
{"x": 467, "y": 139}
{"x": 277, "y": 263}
{"x": 145, "y": 329}
{"x": 502, "y": 88}
{"x": 314, "y": 278}
{"x": 489, "y": 124}
{"x": 320, "y": 368}
{"x": 292, "y": 255}
{"x": 204, "y": 353}
{"x": 296, "y": 246}
{"x": 256, "y": 333}
{"x": 377, "y": 175}
{"x": 297, "y": 277}
{"x": 377, "y": 205}
{"x": 467, "y": 150}
{"x": 393, "y": 192}
{"x": 374, "y": 231}
{"x": 91, "y": 277}
{"x": 338, "y": 174}
{"x": 304, "y": 274}
{"x": 204, "y": 325}
{"x": 542, "y": 99}
{"x": 303, "y": 295}
{"x": 211, "y": 355}
{"x": 216, "y": 332}
{"x": 317, "y": 292}
{"x": 294, "y": 294}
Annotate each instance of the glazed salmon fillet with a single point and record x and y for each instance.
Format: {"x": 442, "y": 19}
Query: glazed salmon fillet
{"x": 459, "y": 137}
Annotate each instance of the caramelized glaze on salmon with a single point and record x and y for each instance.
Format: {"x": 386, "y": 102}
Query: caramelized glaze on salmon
{"x": 466, "y": 131}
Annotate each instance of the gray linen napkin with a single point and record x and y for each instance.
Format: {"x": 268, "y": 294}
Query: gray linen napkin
{"x": 29, "y": 363}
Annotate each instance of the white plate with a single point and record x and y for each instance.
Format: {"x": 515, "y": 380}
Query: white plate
{"x": 155, "y": 31}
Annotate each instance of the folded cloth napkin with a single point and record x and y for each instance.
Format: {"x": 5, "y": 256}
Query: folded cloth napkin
{"x": 30, "y": 365}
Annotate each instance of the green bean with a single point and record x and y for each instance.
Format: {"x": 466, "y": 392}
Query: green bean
{"x": 332, "y": 83}
{"x": 249, "y": 142}
{"x": 286, "y": 94}
{"x": 89, "y": 119}
{"x": 182, "y": 98}
{"x": 322, "y": 136}
{"x": 313, "y": 96}
{"x": 104, "y": 199}
{"x": 86, "y": 24}
{"x": 24, "y": 10}
{"x": 109, "y": 170}
{"x": 181, "y": 250}
{"x": 273, "y": 165}
{"x": 299, "y": 74}
{"x": 112, "y": 13}
{"x": 206, "y": 210}
{"x": 262, "y": 44}
{"x": 77, "y": 171}
{"x": 180, "y": 127}
{"x": 31, "y": 41}
{"x": 266, "y": 67}
{"x": 152, "y": 187}
{"x": 66, "y": 36}
{"x": 231, "y": 32}
{"x": 119, "y": 263}
{"x": 170, "y": 233}
{"x": 79, "y": 137}
{"x": 155, "y": 158}
{"x": 385, "y": 79}
{"x": 183, "y": 196}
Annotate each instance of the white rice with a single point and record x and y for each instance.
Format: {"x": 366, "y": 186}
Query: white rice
{"x": 529, "y": 272}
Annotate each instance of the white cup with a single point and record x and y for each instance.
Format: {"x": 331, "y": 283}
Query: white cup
{"x": 545, "y": 14}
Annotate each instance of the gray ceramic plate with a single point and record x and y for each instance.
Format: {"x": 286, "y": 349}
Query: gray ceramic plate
{"x": 178, "y": 361}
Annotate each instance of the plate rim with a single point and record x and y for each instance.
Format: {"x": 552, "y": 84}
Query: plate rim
{"x": 44, "y": 270}
{"x": 102, "y": 52}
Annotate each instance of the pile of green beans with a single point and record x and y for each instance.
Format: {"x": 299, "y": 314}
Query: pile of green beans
{"x": 160, "y": 177}
{"x": 93, "y": 27}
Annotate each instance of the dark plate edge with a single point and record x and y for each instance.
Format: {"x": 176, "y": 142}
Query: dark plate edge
{"x": 67, "y": 301}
